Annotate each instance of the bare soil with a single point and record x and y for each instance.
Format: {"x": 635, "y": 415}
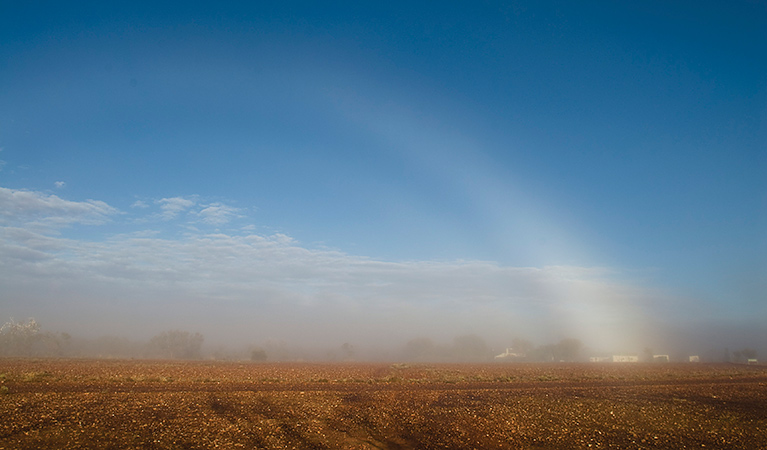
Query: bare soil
{"x": 105, "y": 404}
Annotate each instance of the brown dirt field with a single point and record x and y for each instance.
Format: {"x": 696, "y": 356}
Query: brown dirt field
{"x": 104, "y": 404}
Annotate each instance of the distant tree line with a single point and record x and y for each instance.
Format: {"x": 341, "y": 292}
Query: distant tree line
{"x": 472, "y": 348}
{"x": 744, "y": 355}
{"x": 26, "y": 339}
{"x": 177, "y": 344}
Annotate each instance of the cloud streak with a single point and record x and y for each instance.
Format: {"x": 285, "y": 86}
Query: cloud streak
{"x": 192, "y": 210}
{"x": 22, "y": 206}
{"x": 173, "y": 206}
{"x": 218, "y": 214}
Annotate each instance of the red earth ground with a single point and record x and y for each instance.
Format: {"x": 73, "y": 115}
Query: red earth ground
{"x": 108, "y": 404}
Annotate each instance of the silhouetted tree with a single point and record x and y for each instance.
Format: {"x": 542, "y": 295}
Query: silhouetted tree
{"x": 521, "y": 345}
{"x": 258, "y": 354}
{"x": 177, "y": 344}
{"x": 749, "y": 353}
{"x": 19, "y": 338}
{"x": 26, "y": 339}
{"x": 568, "y": 349}
{"x": 470, "y": 347}
{"x": 420, "y": 349}
{"x": 348, "y": 351}
{"x": 544, "y": 353}
{"x": 745, "y": 354}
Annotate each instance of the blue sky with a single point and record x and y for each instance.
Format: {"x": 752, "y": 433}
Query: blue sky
{"x": 594, "y": 168}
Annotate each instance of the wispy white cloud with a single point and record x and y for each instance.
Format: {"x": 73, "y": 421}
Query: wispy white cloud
{"x": 218, "y": 214}
{"x": 22, "y": 206}
{"x": 173, "y": 206}
{"x": 59, "y": 184}
{"x": 192, "y": 210}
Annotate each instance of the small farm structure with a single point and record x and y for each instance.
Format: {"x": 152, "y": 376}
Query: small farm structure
{"x": 597, "y": 359}
{"x": 694, "y": 358}
{"x": 660, "y": 358}
{"x": 625, "y": 358}
{"x": 752, "y": 361}
{"x": 510, "y": 355}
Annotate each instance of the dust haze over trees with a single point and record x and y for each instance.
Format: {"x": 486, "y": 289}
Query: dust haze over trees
{"x": 422, "y": 349}
{"x": 566, "y": 350}
{"x": 27, "y": 339}
{"x": 472, "y": 348}
{"x": 258, "y": 354}
{"x": 744, "y": 355}
{"x": 177, "y": 345}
